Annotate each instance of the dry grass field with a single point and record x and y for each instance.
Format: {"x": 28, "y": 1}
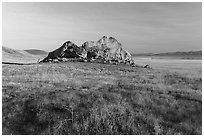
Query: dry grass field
{"x": 187, "y": 67}
{"x": 90, "y": 98}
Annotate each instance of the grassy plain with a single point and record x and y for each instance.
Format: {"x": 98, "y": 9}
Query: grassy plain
{"x": 189, "y": 68}
{"x": 90, "y": 98}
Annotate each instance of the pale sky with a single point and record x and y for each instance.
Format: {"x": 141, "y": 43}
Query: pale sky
{"x": 140, "y": 27}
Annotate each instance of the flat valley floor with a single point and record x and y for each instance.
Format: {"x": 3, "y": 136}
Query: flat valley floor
{"x": 90, "y": 98}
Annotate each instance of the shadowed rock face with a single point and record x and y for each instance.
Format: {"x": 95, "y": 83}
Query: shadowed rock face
{"x": 106, "y": 50}
{"x": 67, "y": 50}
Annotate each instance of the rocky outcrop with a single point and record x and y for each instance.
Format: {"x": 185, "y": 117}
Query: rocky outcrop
{"x": 67, "y": 50}
{"x": 105, "y": 50}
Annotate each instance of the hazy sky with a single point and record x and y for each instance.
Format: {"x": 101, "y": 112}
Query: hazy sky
{"x": 140, "y": 27}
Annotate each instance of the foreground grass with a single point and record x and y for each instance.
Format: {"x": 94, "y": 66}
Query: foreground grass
{"x": 89, "y": 98}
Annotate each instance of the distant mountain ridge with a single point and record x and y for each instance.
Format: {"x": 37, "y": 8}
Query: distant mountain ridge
{"x": 179, "y": 54}
{"x": 169, "y": 53}
{"x": 36, "y": 51}
{"x": 21, "y": 56}
{"x": 14, "y": 53}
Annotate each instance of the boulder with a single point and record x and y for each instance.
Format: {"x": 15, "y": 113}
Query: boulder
{"x": 147, "y": 66}
{"x": 106, "y": 49}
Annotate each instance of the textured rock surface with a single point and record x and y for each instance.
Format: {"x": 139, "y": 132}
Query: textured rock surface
{"x": 67, "y": 50}
{"x": 106, "y": 50}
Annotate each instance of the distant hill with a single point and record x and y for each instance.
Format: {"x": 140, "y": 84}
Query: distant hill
{"x": 36, "y": 52}
{"x": 8, "y": 52}
{"x": 180, "y": 55}
{"x": 19, "y": 56}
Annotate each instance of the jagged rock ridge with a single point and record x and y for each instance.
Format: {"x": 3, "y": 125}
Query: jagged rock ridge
{"x": 105, "y": 50}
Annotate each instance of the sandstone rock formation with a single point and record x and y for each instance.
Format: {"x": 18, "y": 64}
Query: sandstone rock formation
{"x": 105, "y": 50}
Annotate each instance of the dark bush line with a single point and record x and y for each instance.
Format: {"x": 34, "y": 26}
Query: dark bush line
{"x": 13, "y": 63}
